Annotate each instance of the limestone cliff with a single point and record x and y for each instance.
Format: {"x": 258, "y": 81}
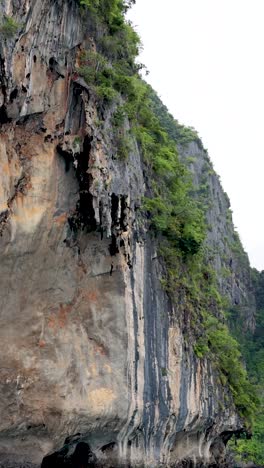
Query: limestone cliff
{"x": 94, "y": 363}
{"x": 224, "y": 250}
{"x": 226, "y": 253}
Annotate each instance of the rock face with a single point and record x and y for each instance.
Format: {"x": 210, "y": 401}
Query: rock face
{"x": 94, "y": 366}
{"x": 226, "y": 254}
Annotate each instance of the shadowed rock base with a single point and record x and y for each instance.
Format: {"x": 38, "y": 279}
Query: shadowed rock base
{"x": 9, "y": 463}
{"x": 69, "y": 456}
{"x": 51, "y": 462}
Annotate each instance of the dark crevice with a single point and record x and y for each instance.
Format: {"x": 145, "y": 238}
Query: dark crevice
{"x": 3, "y": 111}
{"x": 85, "y": 208}
{"x": 52, "y": 63}
{"x": 13, "y": 95}
{"x": 29, "y": 118}
{"x": 20, "y": 187}
{"x": 71, "y": 456}
{"x": 3, "y": 115}
{"x": 108, "y": 447}
{"x": 54, "y": 69}
{"x": 225, "y": 436}
{"x": 84, "y": 215}
{"x": 49, "y": 138}
{"x": 123, "y": 224}
{"x": 113, "y": 247}
{"x": 3, "y": 220}
{"x": 101, "y": 219}
{"x": 114, "y": 208}
{"x": 129, "y": 263}
{"x": 119, "y": 222}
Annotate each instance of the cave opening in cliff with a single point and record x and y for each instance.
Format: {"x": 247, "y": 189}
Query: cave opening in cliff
{"x": 79, "y": 457}
{"x": 3, "y": 115}
{"x": 13, "y": 95}
{"x": 84, "y": 215}
{"x": 85, "y": 205}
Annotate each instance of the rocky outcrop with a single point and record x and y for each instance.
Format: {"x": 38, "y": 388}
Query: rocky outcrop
{"x": 94, "y": 365}
{"x": 225, "y": 251}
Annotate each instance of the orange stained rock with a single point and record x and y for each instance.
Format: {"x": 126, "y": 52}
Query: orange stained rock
{"x": 90, "y": 296}
{"x": 5, "y": 168}
{"x": 100, "y": 398}
{"x": 64, "y": 310}
{"x": 56, "y": 321}
{"x": 52, "y": 322}
{"x": 27, "y": 212}
{"x": 61, "y": 219}
{"x": 19, "y": 61}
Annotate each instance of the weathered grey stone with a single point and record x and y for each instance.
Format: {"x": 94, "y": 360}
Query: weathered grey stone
{"x": 90, "y": 344}
{"x": 230, "y": 263}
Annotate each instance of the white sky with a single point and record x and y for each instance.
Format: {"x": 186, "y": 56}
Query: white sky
{"x": 206, "y": 62}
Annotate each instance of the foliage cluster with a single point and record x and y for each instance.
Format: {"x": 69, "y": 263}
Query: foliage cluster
{"x": 177, "y": 132}
{"x": 174, "y": 213}
{"x": 111, "y": 12}
{"x": 194, "y": 283}
{"x": 113, "y": 64}
{"x": 226, "y": 354}
{"x": 8, "y": 27}
{"x": 252, "y": 450}
{"x": 111, "y": 71}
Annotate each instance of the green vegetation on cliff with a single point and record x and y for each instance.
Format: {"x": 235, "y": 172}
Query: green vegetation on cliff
{"x": 252, "y": 450}
{"x": 173, "y": 208}
{"x": 8, "y": 27}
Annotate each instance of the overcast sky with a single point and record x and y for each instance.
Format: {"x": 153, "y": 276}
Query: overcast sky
{"x": 205, "y": 59}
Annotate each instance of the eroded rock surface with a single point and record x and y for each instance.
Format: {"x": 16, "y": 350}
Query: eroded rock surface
{"x": 92, "y": 351}
{"x": 228, "y": 258}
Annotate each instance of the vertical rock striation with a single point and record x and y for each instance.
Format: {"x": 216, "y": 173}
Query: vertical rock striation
{"x": 94, "y": 364}
{"x": 226, "y": 254}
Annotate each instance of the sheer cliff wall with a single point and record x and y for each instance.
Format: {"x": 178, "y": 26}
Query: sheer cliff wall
{"x": 92, "y": 348}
